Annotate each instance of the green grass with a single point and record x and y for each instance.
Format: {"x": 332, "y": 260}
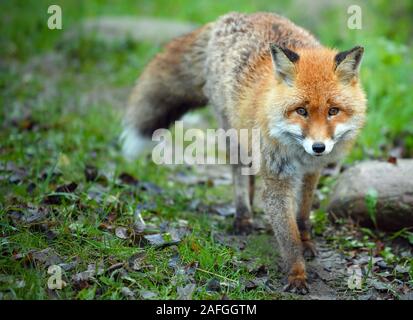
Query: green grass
{"x": 70, "y": 132}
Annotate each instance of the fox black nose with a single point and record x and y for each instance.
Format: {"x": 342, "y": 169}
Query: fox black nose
{"x": 319, "y": 147}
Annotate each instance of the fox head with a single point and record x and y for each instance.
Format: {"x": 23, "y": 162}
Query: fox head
{"x": 316, "y": 100}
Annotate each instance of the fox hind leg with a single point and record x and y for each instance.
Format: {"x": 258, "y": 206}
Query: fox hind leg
{"x": 242, "y": 183}
{"x": 242, "y": 195}
{"x": 252, "y": 189}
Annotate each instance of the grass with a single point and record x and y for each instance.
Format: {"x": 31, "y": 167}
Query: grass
{"x": 50, "y": 132}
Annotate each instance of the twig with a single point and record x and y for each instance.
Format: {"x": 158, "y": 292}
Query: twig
{"x": 217, "y": 275}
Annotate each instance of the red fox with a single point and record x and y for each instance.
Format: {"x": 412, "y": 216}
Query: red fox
{"x": 260, "y": 71}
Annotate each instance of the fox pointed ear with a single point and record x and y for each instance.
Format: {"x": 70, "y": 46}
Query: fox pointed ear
{"x": 284, "y": 60}
{"x": 348, "y": 63}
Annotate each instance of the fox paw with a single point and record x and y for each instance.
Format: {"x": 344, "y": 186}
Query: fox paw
{"x": 243, "y": 226}
{"x": 297, "y": 284}
{"x": 309, "y": 249}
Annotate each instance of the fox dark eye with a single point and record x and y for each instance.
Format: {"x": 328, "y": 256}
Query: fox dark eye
{"x": 333, "y": 111}
{"x": 301, "y": 111}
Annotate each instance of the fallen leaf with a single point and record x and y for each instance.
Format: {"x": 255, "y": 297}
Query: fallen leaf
{"x": 147, "y": 294}
{"x": 13, "y": 173}
{"x": 121, "y": 233}
{"x": 368, "y": 296}
{"x": 11, "y": 282}
{"x": 127, "y": 293}
{"x": 97, "y": 193}
{"x": 382, "y": 264}
{"x": 213, "y": 285}
{"x": 407, "y": 296}
{"x": 401, "y": 269}
{"x": 174, "y": 262}
{"x": 366, "y": 260}
{"x": 91, "y": 173}
{"x": 151, "y": 188}
{"x": 67, "y": 188}
{"x": 161, "y": 240}
{"x": 61, "y": 193}
{"x": 46, "y": 257}
{"x": 185, "y": 293}
{"x": 378, "y": 285}
{"x": 29, "y": 214}
{"x": 31, "y": 187}
{"x": 191, "y": 268}
{"x": 235, "y": 242}
{"x": 136, "y": 261}
{"x": 250, "y": 285}
{"x": 261, "y": 282}
{"x": 139, "y": 224}
{"x": 91, "y": 272}
{"x": 261, "y": 271}
{"x": 35, "y": 215}
{"x": 128, "y": 179}
{"x": 69, "y": 266}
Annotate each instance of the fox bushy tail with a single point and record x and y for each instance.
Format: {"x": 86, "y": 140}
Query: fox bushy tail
{"x": 170, "y": 85}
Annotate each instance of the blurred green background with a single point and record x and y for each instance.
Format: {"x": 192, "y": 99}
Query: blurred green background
{"x": 386, "y": 33}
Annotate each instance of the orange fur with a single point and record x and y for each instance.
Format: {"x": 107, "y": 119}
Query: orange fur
{"x": 317, "y": 87}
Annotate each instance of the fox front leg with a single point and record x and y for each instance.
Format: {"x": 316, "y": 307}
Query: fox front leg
{"x": 303, "y": 216}
{"x": 280, "y": 205}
